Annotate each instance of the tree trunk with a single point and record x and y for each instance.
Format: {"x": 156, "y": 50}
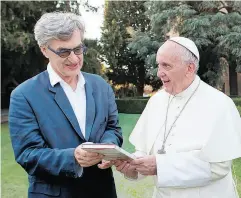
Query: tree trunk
{"x": 141, "y": 79}
{"x": 233, "y": 79}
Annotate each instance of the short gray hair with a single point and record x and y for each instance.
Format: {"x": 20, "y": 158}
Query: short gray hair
{"x": 57, "y": 26}
{"x": 188, "y": 57}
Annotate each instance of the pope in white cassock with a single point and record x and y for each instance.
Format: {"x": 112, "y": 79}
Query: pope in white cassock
{"x": 189, "y": 132}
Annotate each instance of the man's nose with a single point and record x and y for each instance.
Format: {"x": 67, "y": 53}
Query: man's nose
{"x": 161, "y": 72}
{"x": 73, "y": 57}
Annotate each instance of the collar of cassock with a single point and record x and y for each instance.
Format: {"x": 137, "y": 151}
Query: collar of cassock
{"x": 188, "y": 91}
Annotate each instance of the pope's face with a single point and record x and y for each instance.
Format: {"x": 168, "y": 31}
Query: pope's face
{"x": 171, "y": 70}
{"x": 68, "y": 67}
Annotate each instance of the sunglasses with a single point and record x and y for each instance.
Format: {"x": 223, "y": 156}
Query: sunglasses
{"x": 64, "y": 53}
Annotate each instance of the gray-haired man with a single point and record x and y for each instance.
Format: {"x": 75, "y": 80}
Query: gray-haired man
{"x": 55, "y": 112}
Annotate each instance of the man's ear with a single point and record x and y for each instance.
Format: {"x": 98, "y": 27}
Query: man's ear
{"x": 44, "y": 51}
{"x": 191, "y": 69}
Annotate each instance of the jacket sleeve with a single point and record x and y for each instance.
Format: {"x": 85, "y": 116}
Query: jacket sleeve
{"x": 30, "y": 149}
{"x": 112, "y": 132}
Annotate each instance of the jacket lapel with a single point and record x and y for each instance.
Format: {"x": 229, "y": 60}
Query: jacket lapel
{"x": 90, "y": 108}
{"x": 64, "y": 104}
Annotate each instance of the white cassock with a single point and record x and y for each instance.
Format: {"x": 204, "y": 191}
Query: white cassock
{"x": 200, "y": 147}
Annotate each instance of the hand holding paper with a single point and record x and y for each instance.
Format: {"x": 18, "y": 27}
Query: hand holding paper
{"x": 145, "y": 165}
{"x": 86, "y": 159}
{"x": 126, "y": 168}
{"x": 109, "y": 151}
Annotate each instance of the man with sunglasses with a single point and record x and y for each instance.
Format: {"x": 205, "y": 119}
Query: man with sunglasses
{"x": 55, "y": 112}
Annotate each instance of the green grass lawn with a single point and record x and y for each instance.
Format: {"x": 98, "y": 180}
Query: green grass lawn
{"x": 14, "y": 179}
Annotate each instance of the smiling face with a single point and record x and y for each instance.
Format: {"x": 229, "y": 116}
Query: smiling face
{"x": 65, "y": 67}
{"x": 175, "y": 75}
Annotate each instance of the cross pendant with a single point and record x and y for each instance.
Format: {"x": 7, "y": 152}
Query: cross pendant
{"x": 162, "y": 150}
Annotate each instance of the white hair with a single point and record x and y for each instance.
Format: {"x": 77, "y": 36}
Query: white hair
{"x": 57, "y": 26}
{"x": 187, "y": 57}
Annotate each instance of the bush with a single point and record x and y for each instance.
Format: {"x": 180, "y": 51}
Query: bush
{"x": 132, "y": 106}
{"x": 237, "y": 101}
{"x": 239, "y": 109}
{"x": 137, "y": 105}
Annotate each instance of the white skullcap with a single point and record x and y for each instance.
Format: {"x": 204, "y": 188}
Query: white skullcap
{"x": 187, "y": 43}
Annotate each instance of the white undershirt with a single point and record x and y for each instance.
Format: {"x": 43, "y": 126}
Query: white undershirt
{"x": 77, "y": 97}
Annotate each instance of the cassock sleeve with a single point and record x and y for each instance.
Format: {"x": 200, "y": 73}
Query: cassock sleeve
{"x": 212, "y": 162}
{"x": 224, "y": 143}
{"x": 185, "y": 170}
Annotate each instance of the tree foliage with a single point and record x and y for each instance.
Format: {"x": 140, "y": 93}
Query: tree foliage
{"x": 92, "y": 60}
{"x": 121, "y": 18}
{"x": 215, "y": 26}
{"x": 21, "y": 56}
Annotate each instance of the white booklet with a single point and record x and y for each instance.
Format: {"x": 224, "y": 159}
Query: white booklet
{"x": 110, "y": 151}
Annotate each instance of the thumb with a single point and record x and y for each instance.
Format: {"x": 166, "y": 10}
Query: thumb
{"x": 104, "y": 165}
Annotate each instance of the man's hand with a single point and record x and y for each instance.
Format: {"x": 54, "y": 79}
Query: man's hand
{"x": 126, "y": 168}
{"x": 145, "y": 165}
{"x": 86, "y": 159}
{"x": 105, "y": 164}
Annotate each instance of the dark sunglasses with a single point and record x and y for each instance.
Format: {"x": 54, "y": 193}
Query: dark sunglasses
{"x": 64, "y": 53}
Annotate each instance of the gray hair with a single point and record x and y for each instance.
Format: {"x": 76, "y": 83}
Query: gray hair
{"x": 188, "y": 57}
{"x": 57, "y": 26}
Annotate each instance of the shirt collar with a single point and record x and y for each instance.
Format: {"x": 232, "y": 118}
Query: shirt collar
{"x": 188, "y": 91}
{"x": 55, "y": 78}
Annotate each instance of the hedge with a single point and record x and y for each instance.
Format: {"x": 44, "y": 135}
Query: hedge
{"x": 136, "y": 106}
{"x": 127, "y": 105}
{"x": 239, "y": 109}
{"x": 237, "y": 101}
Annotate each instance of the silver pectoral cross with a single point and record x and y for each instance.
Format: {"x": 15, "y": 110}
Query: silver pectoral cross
{"x": 162, "y": 150}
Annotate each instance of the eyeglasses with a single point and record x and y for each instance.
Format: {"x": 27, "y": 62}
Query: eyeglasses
{"x": 64, "y": 53}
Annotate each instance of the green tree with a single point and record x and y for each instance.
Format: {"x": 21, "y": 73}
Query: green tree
{"x": 121, "y": 18}
{"x": 92, "y": 60}
{"x": 21, "y": 56}
{"x": 215, "y": 26}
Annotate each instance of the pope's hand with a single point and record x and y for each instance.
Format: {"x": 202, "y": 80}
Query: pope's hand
{"x": 145, "y": 165}
{"x": 86, "y": 159}
{"x": 126, "y": 168}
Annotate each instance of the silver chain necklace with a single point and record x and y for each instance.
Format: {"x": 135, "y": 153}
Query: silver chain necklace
{"x": 162, "y": 150}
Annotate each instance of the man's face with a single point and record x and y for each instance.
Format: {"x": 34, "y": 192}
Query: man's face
{"x": 172, "y": 72}
{"x": 69, "y": 66}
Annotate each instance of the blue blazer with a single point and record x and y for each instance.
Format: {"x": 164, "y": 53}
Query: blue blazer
{"x": 44, "y": 132}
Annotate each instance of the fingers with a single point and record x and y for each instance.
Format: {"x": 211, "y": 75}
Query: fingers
{"x": 86, "y": 159}
{"x": 117, "y": 162}
{"x": 84, "y": 153}
{"x": 105, "y": 164}
{"x": 88, "y": 163}
{"x": 137, "y": 162}
{"x": 121, "y": 166}
{"x": 125, "y": 168}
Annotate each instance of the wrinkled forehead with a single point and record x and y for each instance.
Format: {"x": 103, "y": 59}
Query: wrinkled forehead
{"x": 170, "y": 47}
{"x": 169, "y": 50}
